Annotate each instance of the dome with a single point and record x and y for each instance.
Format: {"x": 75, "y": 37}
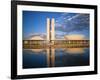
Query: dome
{"x": 36, "y": 38}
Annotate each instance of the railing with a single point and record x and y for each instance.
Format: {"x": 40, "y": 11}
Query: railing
{"x": 55, "y": 43}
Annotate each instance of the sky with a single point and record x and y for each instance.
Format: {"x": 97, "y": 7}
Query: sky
{"x": 34, "y": 23}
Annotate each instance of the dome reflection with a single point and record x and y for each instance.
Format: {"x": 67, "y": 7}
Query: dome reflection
{"x": 37, "y": 50}
{"x": 74, "y": 50}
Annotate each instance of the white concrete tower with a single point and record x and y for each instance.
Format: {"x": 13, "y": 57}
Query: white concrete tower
{"x": 48, "y": 29}
{"x": 53, "y": 29}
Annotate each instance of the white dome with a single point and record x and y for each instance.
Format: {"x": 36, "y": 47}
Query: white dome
{"x": 36, "y": 38}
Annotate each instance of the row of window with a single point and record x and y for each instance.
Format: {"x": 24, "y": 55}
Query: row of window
{"x": 56, "y": 42}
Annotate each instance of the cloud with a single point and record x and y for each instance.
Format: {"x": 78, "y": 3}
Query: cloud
{"x": 43, "y": 35}
{"x": 74, "y": 22}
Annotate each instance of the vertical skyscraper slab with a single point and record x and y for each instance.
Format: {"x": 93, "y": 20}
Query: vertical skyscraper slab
{"x": 53, "y": 30}
{"x": 48, "y": 29}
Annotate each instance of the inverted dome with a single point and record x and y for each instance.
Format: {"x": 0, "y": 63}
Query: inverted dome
{"x": 74, "y": 37}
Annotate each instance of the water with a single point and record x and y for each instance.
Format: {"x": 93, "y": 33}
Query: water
{"x": 44, "y": 58}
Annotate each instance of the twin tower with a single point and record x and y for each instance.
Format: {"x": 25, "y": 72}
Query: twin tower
{"x": 50, "y": 30}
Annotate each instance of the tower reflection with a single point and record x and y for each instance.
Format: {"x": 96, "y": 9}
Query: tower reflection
{"x": 50, "y": 57}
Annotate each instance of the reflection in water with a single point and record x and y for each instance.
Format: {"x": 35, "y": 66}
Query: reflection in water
{"x": 74, "y": 50}
{"x": 40, "y": 58}
{"x": 51, "y": 57}
{"x": 37, "y": 50}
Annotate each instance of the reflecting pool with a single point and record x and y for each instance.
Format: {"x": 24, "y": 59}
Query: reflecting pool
{"x": 51, "y": 57}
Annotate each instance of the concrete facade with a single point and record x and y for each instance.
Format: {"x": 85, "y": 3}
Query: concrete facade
{"x": 50, "y": 29}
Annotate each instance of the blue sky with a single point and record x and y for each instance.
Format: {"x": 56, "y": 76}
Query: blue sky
{"x": 34, "y": 23}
